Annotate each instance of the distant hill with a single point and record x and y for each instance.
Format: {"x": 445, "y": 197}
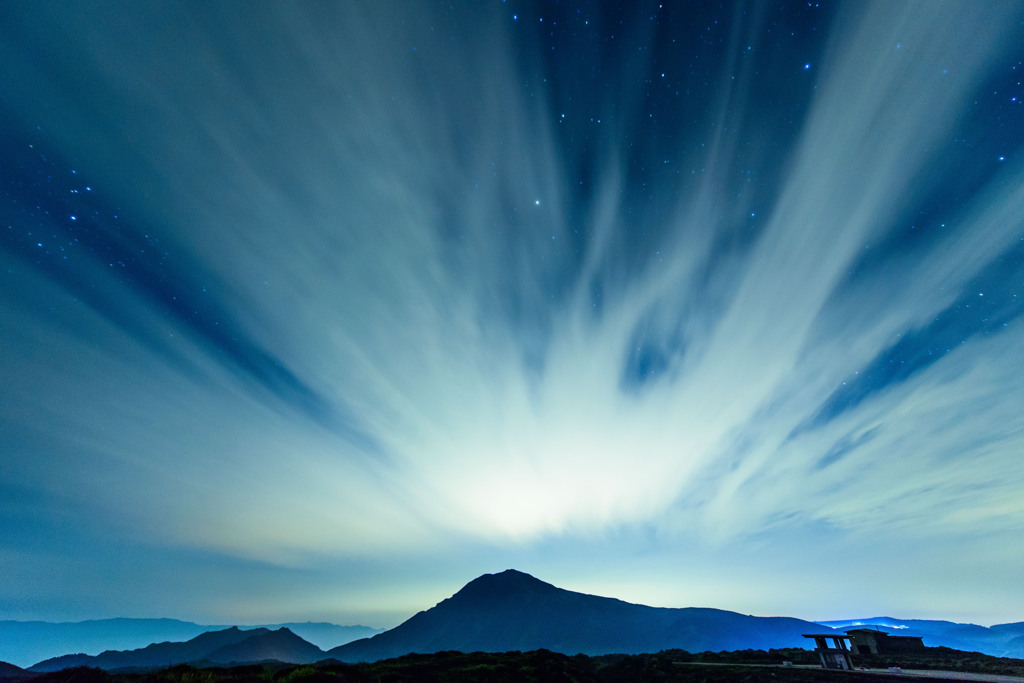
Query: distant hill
{"x": 11, "y": 672}
{"x": 1014, "y": 647}
{"x": 1016, "y": 628}
{"x": 1001, "y": 640}
{"x": 493, "y": 613}
{"x": 26, "y": 642}
{"x": 515, "y": 611}
{"x": 229, "y": 646}
{"x": 281, "y": 645}
{"x": 325, "y": 635}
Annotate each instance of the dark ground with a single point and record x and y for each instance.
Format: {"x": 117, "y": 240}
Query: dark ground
{"x": 542, "y": 665}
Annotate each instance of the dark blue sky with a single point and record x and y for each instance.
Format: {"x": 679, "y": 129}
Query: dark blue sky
{"x": 318, "y": 311}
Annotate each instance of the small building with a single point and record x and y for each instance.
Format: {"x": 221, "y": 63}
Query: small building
{"x": 835, "y": 657}
{"x": 865, "y": 641}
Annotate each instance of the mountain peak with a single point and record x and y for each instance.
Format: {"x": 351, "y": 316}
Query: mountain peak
{"x": 513, "y": 573}
{"x": 510, "y": 579}
{"x": 281, "y": 645}
{"x": 512, "y": 610}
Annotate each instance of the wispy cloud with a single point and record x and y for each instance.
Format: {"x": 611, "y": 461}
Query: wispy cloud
{"x": 369, "y": 292}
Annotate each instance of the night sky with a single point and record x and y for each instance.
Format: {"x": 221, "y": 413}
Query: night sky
{"x": 317, "y": 311}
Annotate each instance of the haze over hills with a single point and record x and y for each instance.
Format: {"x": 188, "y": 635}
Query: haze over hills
{"x": 281, "y": 645}
{"x": 24, "y": 643}
{"x": 512, "y": 610}
{"x": 1001, "y": 640}
{"x": 515, "y": 611}
{"x": 229, "y": 646}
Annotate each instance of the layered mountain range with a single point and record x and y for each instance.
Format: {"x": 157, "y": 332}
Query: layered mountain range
{"x": 1001, "y": 640}
{"x": 515, "y": 611}
{"x": 27, "y": 642}
{"x": 227, "y": 647}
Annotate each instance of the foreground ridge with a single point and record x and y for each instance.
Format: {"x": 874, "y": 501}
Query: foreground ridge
{"x": 774, "y": 666}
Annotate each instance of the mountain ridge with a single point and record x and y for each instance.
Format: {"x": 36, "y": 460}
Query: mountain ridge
{"x": 512, "y": 610}
{"x": 24, "y": 643}
{"x": 998, "y": 640}
{"x": 281, "y": 645}
{"x": 156, "y": 655}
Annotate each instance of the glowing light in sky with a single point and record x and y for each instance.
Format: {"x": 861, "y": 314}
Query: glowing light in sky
{"x": 364, "y": 286}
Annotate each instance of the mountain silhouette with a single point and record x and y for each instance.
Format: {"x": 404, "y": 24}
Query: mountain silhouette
{"x": 230, "y": 645}
{"x": 28, "y": 642}
{"x": 281, "y": 645}
{"x": 9, "y": 671}
{"x": 515, "y": 611}
{"x": 23, "y": 643}
{"x": 323, "y": 634}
